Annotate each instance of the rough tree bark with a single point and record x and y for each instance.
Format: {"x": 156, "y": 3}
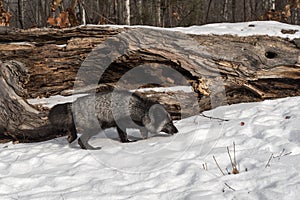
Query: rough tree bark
{"x": 248, "y": 68}
{"x": 127, "y": 12}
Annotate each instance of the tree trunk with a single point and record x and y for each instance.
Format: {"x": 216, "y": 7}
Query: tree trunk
{"x": 225, "y": 10}
{"x": 158, "y": 13}
{"x": 233, "y": 7}
{"x": 140, "y": 11}
{"x": 208, "y": 11}
{"x": 21, "y": 13}
{"x": 220, "y": 69}
{"x": 127, "y": 12}
{"x": 120, "y": 11}
{"x": 115, "y": 10}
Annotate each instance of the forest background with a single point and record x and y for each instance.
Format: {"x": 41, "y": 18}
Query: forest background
{"x": 26, "y": 14}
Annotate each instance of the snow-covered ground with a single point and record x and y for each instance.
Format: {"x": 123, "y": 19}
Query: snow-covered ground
{"x": 266, "y": 134}
{"x": 168, "y": 167}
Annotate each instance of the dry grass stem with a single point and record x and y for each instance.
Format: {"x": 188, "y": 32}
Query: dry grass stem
{"x": 218, "y": 166}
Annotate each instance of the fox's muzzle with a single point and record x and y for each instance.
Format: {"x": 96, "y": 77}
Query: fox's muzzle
{"x": 169, "y": 128}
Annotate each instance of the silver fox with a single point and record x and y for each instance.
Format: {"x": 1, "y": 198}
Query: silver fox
{"x": 120, "y": 109}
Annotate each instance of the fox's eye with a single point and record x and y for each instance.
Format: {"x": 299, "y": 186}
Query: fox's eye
{"x": 169, "y": 123}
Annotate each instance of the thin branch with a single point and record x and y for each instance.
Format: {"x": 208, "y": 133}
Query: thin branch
{"x": 268, "y": 163}
{"x": 234, "y": 155}
{"x": 226, "y": 120}
{"x": 218, "y": 166}
{"x": 282, "y": 154}
{"x": 184, "y": 17}
{"x": 17, "y": 158}
{"x": 286, "y": 154}
{"x": 283, "y": 150}
{"x": 233, "y": 164}
{"x": 233, "y": 167}
{"x": 204, "y": 165}
{"x": 230, "y": 187}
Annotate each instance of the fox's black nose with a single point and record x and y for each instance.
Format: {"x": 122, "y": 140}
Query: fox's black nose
{"x": 175, "y": 130}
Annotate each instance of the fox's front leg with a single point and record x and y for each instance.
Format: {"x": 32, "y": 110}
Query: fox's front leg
{"x": 144, "y": 133}
{"x": 123, "y": 136}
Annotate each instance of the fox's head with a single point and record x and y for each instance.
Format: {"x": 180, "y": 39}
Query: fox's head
{"x": 158, "y": 119}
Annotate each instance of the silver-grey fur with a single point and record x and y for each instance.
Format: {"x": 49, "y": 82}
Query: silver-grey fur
{"x": 120, "y": 109}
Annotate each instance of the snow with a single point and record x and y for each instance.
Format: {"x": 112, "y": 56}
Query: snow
{"x": 61, "y": 45}
{"x": 271, "y": 28}
{"x": 168, "y": 167}
{"x": 53, "y": 100}
{"x": 22, "y": 43}
{"x": 171, "y": 167}
{"x": 186, "y": 89}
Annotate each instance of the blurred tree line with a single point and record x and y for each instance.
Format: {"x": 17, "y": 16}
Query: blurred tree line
{"x": 164, "y": 13}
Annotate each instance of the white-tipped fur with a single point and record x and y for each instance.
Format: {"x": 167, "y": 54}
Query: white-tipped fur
{"x": 120, "y": 109}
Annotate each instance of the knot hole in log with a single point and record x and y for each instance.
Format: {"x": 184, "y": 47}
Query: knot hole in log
{"x": 270, "y": 54}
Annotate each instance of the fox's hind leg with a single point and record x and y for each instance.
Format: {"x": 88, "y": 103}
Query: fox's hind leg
{"x": 84, "y": 138}
{"x": 72, "y": 134}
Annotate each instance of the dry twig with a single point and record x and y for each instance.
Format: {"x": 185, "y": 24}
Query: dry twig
{"x": 233, "y": 163}
{"x": 229, "y": 187}
{"x": 218, "y": 166}
{"x": 230, "y": 158}
{"x": 234, "y": 156}
{"x": 204, "y": 165}
{"x": 282, "y": 154}
{"x": 220, "y": 119}
{"x": 268, "y": 163}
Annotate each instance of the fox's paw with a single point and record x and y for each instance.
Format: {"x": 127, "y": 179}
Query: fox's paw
{"x": 87, "y": 146}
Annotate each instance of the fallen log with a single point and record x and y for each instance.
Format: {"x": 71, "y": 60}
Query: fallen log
{"x": 220, "y": 70}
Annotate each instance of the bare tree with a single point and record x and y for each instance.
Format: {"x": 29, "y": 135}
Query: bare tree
{"x": 158, "y": 13}
{"x": 139, "y": 8}
{"x": 225, "y": 10}
{"x": 165, "y": 13}
{"x": 233, "y": 7}
{"x": 120, "y": 18}
{"x": 245, "y": 12}
{"x": 208, "y": 10}
{"x": 20, "y": 13}
{"x": 83, "y": 15}
{"x": 127, "y": 12}
{"x": 273, "y": 5}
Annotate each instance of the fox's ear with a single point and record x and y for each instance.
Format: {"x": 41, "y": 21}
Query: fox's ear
{"x": 157, "y": 113}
